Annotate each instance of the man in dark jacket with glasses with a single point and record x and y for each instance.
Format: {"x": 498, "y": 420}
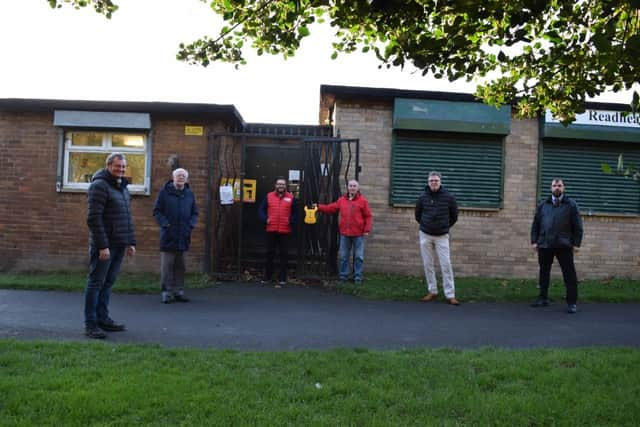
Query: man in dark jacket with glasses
{"x": 436, "y": 212}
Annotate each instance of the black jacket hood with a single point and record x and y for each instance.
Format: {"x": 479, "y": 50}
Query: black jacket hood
{"x": 105, "y": 175}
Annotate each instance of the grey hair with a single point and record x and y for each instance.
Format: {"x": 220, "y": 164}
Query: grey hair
{"x": 177, "y": 171}
{"x": 114, "y": 156}
{"x": 353, "y": 180}
{"x": 434, "y": 173}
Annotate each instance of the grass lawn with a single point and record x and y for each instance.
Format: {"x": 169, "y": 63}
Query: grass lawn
{"x": 96, "y": 383}
{"x": 138, "y": 283}
{"x": 376, "y": 286}
{"x": 475, "y": 289}
{"x": 80, "y": 384}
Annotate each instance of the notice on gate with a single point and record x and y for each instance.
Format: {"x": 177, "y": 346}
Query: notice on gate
{"x": 248, "y": 189}
{"x": 226, "y": 195}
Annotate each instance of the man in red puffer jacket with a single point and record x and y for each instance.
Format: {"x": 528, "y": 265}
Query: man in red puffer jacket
{"x": 354, "y": 225}
{"x": 278, "y": 211}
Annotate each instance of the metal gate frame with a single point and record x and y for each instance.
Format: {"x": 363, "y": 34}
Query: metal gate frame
{"x": 223, "y": 257}
{"x": 324, "y": 170}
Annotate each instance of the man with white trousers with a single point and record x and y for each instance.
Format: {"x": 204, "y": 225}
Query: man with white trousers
{"x": 436, "y": 212}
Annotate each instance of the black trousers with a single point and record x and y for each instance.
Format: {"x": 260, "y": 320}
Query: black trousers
{"x": 279, "y": 241}
{"x": 565, "y": 259}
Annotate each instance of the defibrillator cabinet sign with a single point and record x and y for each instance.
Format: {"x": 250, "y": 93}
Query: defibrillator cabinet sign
{"x": 248, "y": 189}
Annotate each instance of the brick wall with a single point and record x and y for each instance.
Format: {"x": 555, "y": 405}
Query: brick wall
{"x": 41, "y": 229}
{"x": 494, "y": 243}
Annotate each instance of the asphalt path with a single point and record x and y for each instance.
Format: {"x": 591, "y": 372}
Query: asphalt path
{"x": 253, "y": 317}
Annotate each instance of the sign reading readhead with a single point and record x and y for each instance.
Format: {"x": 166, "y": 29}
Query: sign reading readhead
{"x": 602, "y": 118}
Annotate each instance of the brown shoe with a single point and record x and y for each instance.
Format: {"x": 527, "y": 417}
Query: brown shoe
{"x": 454, "y": 301}
{"x": 429, "y": 297}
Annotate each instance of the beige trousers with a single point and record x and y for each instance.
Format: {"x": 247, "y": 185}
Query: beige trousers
{"x": 430, "y": 246}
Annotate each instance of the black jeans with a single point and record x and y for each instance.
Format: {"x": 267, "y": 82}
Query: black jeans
{"x": 565, "y": 259}
{"x": 277, "y": 240}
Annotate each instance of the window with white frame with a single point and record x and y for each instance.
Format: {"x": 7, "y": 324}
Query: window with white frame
{"x": 87, "y": 151}
{"x": 87, "y": 139}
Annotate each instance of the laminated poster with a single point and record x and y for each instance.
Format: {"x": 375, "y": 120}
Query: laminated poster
{"x": 226, "y": 195}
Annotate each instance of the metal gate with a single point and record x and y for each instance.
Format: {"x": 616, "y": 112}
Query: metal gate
{"x": 233, "y": 250}
{"x": 329, "y": 163}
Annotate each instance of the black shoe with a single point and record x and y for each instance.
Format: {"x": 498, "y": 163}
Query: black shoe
{"x": 180, "y": 298}
{"x": 540, "y": 302}
{"x": 94, "y": 332}
{"x": 109, "y": 325}
{"x": 572, "y": 309}
{"x": 167, "y": 298}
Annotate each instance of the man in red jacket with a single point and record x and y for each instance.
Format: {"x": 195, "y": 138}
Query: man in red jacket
{"x": 278, "y": 211}
{"x": 354, "y": 224}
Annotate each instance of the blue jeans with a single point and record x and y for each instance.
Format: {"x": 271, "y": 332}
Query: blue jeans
{"x": 102, "y": 275}
{"x": 345, "y": 249}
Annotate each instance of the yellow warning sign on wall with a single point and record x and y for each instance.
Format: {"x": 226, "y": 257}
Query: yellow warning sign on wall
{"x": 248, "y": 189}
{"x": 194, "y": 130}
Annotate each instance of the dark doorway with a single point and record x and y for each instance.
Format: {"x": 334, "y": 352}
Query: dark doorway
{"x": 265, "y": 164}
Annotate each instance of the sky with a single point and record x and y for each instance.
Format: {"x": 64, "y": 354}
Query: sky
{"x": 78, "y": 54}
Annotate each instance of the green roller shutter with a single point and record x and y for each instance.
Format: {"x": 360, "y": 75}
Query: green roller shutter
{"x": 471, "y": 168}
{"x": 579, "y": 163}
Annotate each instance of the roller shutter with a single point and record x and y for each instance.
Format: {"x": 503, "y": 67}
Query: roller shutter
{"x": 579, "y": 164}
{"x": 471, "y": 168}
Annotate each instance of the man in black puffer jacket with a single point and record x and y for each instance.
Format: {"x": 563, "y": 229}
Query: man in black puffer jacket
{"x": 111, "y": 236}
{"x": 556, "y": 231}
{"x": 436, "y": 211}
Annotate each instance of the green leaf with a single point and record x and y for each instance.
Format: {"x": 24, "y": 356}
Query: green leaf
{"x": 303, "y": 31}
{"x": 633, "y": 45}
{"x": 601, "y": 42}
